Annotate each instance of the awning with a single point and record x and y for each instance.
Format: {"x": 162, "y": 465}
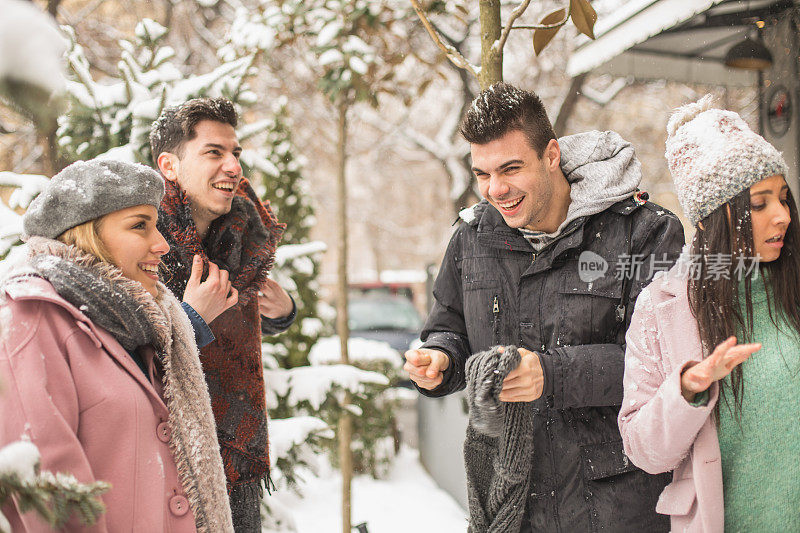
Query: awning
{"x": 681, "y": 40}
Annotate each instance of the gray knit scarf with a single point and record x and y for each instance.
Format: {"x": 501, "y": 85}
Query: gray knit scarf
{"x": 135, "y": 318}
{"x": 498, "y": 451}
{"x": 114, "y": 304}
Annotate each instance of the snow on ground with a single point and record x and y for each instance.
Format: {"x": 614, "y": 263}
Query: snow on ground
{"x": 407, "y": 500}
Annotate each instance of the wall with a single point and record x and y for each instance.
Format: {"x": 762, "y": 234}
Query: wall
{"x": 442, "y": 427}
{"x": 783, "y": 41}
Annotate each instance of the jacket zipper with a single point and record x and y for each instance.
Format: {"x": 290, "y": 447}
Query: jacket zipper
{"x": 496, "y": 320}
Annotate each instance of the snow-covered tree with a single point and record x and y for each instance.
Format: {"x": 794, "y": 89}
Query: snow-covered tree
{"x": 296, "y": 265}
{"x": 375, "y": 435}
{"x": 31, "y": 71}
{"x": 320, "y": 391}
{"x": 112, "y": 117}
{"x": 306, "y": 402}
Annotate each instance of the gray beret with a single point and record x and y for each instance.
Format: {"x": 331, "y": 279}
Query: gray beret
{"x": 87, "y": 190}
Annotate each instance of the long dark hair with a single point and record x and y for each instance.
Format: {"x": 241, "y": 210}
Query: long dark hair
{"x": 714, "y": 300}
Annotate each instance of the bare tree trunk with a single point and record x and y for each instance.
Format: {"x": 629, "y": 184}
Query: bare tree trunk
{"x": 568, "y": 105}
{"x": 52, "y": 7}
{"x": 345, "y": 422}
{"x": 491, "y": 57}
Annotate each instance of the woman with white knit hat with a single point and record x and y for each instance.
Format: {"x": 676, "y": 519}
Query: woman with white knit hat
{"x": 98, "y": 361}
{"x": 712, "y": 365}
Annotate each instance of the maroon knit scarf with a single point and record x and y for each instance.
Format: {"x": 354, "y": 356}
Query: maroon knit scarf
{"x": 242, "y": 242}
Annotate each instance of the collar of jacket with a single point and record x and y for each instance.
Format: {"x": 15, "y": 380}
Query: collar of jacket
{"x": 32, "y": 287}
{"x": 493, "y": 232}
{"x": 674, "y": 282}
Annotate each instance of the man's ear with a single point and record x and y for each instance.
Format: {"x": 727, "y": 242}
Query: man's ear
{"x": 552, "y": 155}
{"x": 169, "y": 164}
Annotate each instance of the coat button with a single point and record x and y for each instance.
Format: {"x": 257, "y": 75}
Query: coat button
{"x": 163, "y": 431}
{"x": 179, "y": 505}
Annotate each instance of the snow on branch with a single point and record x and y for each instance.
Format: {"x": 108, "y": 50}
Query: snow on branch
{"x": 28, "y": 186}
{"x": 360, "y": 351}
{"x": 313, "y": 384}
{"x": 448, "y": 152}
{"x": 285, "y": 433}
{"x": 288, "y": 252}
{"x": 55, "y": 497}
{"x": 520, "y": 9}
{"x": 253, "y": 129}
{"x": 605, "y": 96}
{"x": 452, "y": 54}
{"x": 31, "y": 47}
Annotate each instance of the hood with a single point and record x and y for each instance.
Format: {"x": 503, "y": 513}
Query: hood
{"x": 601, "y": 168}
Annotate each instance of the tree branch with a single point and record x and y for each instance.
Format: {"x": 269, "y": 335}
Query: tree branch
{"x": 507, "y": 29}
{"x": 605, "y": 96}
{"x": 452, "y": 54}
{"x": 568, "y": 105}
{"x": 541, "y": 26}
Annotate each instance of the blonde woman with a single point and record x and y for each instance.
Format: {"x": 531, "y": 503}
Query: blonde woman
{"x": 99, "y": 361}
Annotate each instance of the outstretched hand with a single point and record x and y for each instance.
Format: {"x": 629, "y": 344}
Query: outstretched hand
{"x": 425, "y": 367}
{"x": 720, "y": 363}
{"x": 213, "y": 296}
{"x": 526, "y": 382}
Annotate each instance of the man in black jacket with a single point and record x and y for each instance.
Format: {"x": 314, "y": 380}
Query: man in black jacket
{"x": 551, "y": 261}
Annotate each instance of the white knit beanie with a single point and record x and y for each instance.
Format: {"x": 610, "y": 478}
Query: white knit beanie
{"x": 713, "y": 156}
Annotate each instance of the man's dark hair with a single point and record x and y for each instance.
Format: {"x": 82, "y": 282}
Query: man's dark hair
{"x": 176, "y": 125}
{"x": 503, "y": 108}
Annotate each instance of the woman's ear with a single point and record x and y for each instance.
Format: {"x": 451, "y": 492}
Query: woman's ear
{"x": 168, "y": 165}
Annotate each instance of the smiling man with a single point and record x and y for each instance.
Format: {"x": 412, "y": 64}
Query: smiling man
{"x": 511, "y": 276}
{"x": 210, "y": 210}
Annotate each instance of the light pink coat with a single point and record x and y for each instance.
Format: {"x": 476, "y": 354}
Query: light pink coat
{"x": 660, "y": 430}
{"x": 78, "y": 395}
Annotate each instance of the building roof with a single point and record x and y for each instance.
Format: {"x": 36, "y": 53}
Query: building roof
{"x": 682, "y": 40}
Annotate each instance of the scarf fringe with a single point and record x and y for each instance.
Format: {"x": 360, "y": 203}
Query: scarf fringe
{"x": 249, "y": 467}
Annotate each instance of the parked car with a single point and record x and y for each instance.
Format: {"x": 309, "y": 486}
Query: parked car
{"x": 392, "y": 319}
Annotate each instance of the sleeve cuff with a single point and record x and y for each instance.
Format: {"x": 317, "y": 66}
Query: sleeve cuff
{"x": 282, "y": 323}
{"x": 546, "y": 362}
{"x": 700, "y": 399}
{"x": 203, "y": 335}
{"x": 703, "y": 401}
{"x": 449, "y": 376}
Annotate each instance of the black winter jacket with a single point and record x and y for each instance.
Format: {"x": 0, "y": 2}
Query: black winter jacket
{"x": 492, "y": 289}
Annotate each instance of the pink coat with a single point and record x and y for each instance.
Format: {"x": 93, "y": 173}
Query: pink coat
{"x": 78, "y": 395}
{"x": 660, "y": 430}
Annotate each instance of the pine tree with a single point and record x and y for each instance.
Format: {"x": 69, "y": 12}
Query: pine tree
{"x": 286, "y": 189}
{"x": 117, "y": 114}
{"x": 55, "y": 497}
